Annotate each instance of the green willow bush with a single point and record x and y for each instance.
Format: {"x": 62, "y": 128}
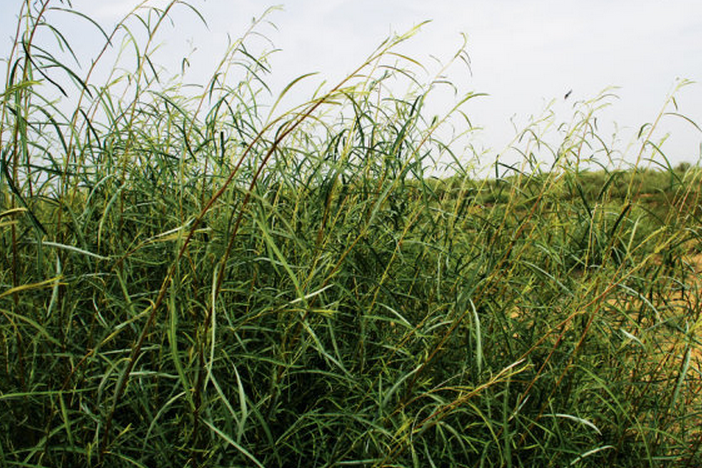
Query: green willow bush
{"x": 192, "y": 280}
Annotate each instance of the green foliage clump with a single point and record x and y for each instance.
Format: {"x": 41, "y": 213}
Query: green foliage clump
{"x": 188, "y": 281}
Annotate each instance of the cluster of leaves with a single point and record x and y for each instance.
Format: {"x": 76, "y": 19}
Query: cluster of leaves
{"x": 195, "y": 283}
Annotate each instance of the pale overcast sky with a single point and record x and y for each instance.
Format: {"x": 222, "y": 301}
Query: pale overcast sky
{"x": 523, "y": 53}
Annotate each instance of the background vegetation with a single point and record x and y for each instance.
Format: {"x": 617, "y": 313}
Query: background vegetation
{"x": 199, "y": 280}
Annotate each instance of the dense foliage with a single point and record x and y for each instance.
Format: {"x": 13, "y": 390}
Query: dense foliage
{"x": 188, "y": 280}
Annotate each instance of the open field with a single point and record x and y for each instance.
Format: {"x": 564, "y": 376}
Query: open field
{"x": 195, "y": 280}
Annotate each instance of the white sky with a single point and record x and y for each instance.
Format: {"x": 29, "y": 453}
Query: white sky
{"x": 523, "y": 53}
